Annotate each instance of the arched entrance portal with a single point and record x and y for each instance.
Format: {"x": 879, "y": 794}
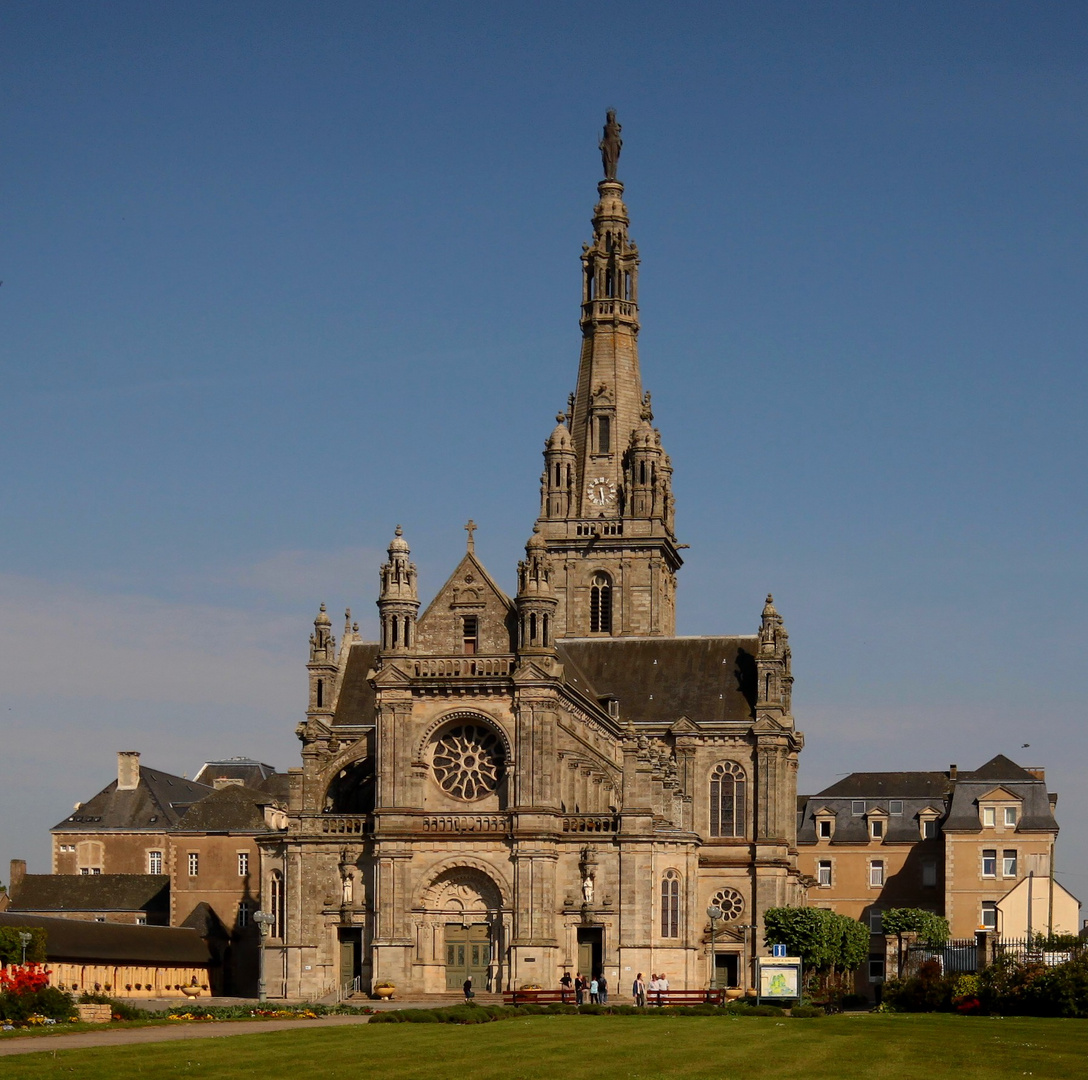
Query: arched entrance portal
{"x": 464, "y": 905}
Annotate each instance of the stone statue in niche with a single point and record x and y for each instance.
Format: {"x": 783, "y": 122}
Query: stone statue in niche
{"x": 587, "y": 864}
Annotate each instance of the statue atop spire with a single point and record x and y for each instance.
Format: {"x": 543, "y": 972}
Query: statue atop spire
{"x": 611, "y": 145}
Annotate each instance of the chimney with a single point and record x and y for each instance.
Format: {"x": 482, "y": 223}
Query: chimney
{"x": 952, "y": 771}
{"x": 128, "y": 770}
{"x": 16, "y": 875}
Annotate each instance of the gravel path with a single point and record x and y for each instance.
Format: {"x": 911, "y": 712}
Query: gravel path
{"x": 212, "y": 1029}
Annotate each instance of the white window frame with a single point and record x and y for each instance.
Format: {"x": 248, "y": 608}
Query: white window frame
{"x": 892, "y": 804}
{"x": 154, "y": 862}
{"x": 989, "y": 855}
{"x": 989, "y": 907}
{"x": 194, "y": 864}
{"x": 1009, "y": 862}
{"x": 243, "y": 863}
{"x": 824, "y": 829}
{"x": 857, "y": 807}
{"x": 1010, "y": 816}
{"x": 824, "y": 873}
{"x": 876, "y": 873}
{"x": 989, "y": 817}
{"x": 876, "y": 829}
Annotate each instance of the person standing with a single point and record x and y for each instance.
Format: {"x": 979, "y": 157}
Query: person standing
{"x": 564, "y": 987}
{"x": 662, "y": 986}
{"x": 594, "y": 992}
{"x": 638, "y": 990}
{"x": 467, "y": 988}
{"x": 579, "y": 989}
{"x": 602, "y": 989}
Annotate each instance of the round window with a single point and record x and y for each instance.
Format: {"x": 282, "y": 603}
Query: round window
{"x": 731, "y": 902}
{"x": 468, "y": 761}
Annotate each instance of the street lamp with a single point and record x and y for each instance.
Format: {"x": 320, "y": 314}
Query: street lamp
{"x": 264, "y": 921}
{"x": 24, "y": 940}
{"x": 714, "y": 913}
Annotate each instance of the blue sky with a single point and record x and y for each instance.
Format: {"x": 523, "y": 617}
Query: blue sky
{"x": 278, "y": 276}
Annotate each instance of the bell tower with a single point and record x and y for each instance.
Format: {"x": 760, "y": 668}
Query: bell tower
{"x": 606, "y": 511}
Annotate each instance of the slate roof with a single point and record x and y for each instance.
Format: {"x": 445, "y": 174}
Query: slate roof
{"x": 355, "y": 704}
{"x": 93, "y": 942}
{"x": 92, "y": 892}
{"x": 1036, "y": 811}
{"x": 251, "y": 773}
{"x": 889, "y": 785}
{"x": 658, "y": 680}
{"x": 230, "y": 809}
{"x": 157, "y": 803}
{"x": 956, "y": 798}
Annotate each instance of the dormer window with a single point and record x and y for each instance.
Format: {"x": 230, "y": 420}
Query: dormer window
{"x": 876, "y": 828}
{"x": 1010, "y": 817}
{"x": 989, "y": 816}
{"x": 824, "y": 828}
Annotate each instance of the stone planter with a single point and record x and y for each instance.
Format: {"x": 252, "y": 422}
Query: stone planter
{"x": 191, "y": 991}
{"x": 733, "y": 992}
{"x": 384, "y": 992}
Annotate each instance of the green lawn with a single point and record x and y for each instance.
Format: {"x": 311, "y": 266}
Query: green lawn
{"x": 873, "y": 1047}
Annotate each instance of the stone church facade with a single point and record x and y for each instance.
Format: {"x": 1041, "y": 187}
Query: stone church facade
{"x": 514, "y": 787}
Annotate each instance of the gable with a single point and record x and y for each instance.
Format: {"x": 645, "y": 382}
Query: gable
{"x": 999, "y": 794}
{"x": 469, "y": 593}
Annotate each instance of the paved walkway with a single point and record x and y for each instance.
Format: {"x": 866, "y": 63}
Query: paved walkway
{"x": 211, "y": 1029}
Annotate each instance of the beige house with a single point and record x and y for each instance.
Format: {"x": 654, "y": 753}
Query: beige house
{"x": 954, "y": 843}
{"x": 1032, "y": 907}
{"x": 509, "y": 787}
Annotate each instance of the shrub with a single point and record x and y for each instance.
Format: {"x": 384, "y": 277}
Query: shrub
{"x": 806, "y": 1012}
{"x": 25, "y": 992}
{"x": 928, "y": 991}
{"x": 420, "y": 1016}
{"x": 854, "y": 1001}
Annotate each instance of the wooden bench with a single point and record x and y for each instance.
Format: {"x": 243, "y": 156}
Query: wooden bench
{"x": 658, "y": 997}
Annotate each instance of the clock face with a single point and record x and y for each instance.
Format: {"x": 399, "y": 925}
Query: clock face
{"x": 600, "y": 491}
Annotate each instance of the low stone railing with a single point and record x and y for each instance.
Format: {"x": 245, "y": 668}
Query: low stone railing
{"x": 463, "y": 667}
{"x": 590, "y": 823}
{"x": 465, "y": 823}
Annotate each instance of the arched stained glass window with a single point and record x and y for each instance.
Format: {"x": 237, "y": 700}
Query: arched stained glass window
{"x": 727, "y": 783}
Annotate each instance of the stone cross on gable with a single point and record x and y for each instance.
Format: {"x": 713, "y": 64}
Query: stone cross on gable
{"x": 470, "y": 528}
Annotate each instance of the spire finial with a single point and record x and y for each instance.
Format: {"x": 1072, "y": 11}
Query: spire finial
{"x": 470, "y": 528}
{"x": 611, "y": 145}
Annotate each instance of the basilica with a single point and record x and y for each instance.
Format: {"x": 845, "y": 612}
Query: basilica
{"x": 514, "y": 787}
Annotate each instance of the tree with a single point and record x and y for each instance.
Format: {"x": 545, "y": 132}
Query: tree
{"x": 931, "y": 929}
{"x": 11, "y": 947}
{"x": 828, "y": 944}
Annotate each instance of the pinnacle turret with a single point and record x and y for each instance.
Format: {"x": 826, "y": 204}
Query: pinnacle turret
{"x": 398, "y": 600}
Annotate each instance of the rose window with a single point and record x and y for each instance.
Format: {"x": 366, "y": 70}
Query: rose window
{"x": 731, "y": 902}
{"x": 467, "y": 761}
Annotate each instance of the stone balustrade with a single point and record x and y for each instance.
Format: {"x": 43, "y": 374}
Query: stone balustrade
{"x": 590, "y": 823}
{"x": 463, "y": 667}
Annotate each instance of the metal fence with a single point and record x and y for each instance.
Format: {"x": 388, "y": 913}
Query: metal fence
{"x": 961, "y": 955}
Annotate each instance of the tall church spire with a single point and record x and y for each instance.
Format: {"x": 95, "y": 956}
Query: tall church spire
{"x": 606, "y": 498}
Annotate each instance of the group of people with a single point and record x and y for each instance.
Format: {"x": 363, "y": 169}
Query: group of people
{"x": 579, "y": 986}
{"x": 642, "y": 991}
